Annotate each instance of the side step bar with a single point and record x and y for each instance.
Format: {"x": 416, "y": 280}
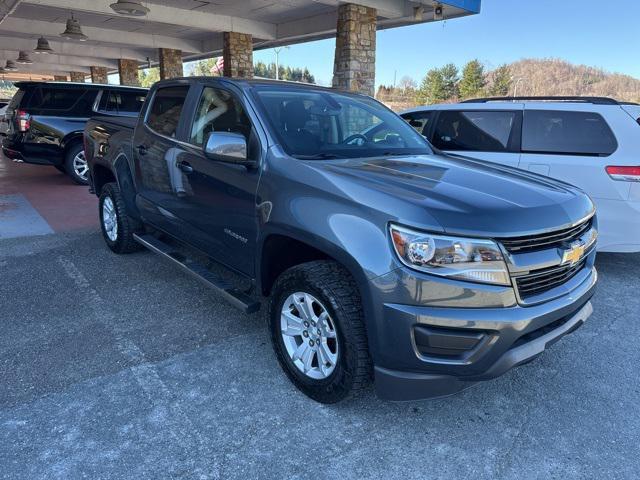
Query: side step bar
{"x": 236, "y": 297}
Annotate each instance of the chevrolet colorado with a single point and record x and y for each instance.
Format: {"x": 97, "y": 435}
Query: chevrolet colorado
{"x": 380, "y": 258}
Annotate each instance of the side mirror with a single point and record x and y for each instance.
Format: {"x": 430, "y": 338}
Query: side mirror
{"x": 227, "y": 147}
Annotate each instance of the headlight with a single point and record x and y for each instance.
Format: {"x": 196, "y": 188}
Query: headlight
{"x": 468, "y": 259}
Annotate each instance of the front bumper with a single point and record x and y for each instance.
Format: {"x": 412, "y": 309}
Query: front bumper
{"x": 425, "y": 352}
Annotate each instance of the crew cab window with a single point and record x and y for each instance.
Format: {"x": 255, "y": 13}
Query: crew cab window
{"x": 576, "y": 133}
{"x": 474, "y": 130}
{"x": 164, "y": 113}
{"x": 121, "y": 103}
{"x": 218, "y": 111}
{"x": 419, "y": 121}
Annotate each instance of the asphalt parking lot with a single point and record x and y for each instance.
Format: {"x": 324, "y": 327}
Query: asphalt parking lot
{"x": 123, "y": 367}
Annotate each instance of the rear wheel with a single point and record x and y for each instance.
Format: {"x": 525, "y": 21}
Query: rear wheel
{"x": 317, "y": 330}
{"x": 75, "y": 164}
{"x": 116, "y": 224}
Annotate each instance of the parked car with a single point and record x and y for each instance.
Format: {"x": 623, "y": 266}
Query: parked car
{"x": 590, "y": 142}
{"x": 4, "y": 125}
{"x": 46, "y": 120}
{"x": 376, "y": 256}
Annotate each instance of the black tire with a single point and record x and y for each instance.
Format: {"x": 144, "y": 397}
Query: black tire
{"x": 126, "y": 225}
{"x": 336, "y": 289}
{"x": 72, "y": 151}
{"x": 61, "y": 168}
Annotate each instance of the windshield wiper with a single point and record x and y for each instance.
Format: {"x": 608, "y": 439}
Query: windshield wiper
{"x": 317, "y": 156}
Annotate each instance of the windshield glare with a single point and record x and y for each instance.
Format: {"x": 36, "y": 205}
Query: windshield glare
{"x": 325, "y": 124}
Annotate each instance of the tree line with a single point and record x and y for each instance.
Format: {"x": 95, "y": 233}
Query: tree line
{"x": 448, "y": 84}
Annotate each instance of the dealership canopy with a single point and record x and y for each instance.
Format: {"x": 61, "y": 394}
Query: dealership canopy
{"x": 82, "y": 34}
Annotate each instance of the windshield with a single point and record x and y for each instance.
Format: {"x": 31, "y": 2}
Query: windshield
{"x": 325, "y": 124}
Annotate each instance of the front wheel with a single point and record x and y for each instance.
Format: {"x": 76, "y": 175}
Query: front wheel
{"x": 318, "y": 333}
{"x": 116, "y": 224}
{"x": 75, "y": 164}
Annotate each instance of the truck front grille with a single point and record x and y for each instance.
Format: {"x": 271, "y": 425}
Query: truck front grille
{"x": 544, "y": 279}
{"x": 543, "y": 241}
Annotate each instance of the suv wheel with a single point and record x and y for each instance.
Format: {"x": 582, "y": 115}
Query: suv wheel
{"x": 116, "y": 224}
{"x": 317, "y": 330}
{"x": 75, "y": 164}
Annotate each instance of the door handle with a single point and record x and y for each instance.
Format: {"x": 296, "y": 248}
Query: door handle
{"x": 185, "y": 167}
{"x": 142, "y": 149}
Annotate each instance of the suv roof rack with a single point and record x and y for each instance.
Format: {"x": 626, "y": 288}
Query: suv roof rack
{"x": 551, "y": 98}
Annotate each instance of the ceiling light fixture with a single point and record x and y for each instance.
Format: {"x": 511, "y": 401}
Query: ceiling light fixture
{"x": 10, "y": 66}
{"x": 73, "y": 30}
{"x": 23, "y": 58}
{"x": 129, "y": 7}
{"x": 43, "y": 46}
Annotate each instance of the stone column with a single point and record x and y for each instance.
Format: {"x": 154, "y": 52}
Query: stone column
{"x": 99, "y": 75}
{"x": 237, "y": 51}
{"x": 170, "y": 63}
{"x": 60, "y": 78}
{"x": 128, "y": 70}
{"x": 354, "y": 67}
{"x": 77, "y": 76}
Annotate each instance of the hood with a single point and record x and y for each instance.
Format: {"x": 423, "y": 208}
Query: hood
{"x": 465, "y": 196}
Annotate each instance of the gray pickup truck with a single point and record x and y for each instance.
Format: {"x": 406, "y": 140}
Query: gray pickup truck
{"x": 379, "y": 258}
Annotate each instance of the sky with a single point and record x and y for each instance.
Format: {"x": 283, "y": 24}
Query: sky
{"x": 602, "y": 34}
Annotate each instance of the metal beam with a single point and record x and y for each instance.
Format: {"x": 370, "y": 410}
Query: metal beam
{"x": 7, "y": 7}
{"x": 48, "y": 67}
{"x": 77, "y": 49}
{"x": 173, "y": 16}
{"x": 26, "y": 27}
{"x": 62, "y": 59}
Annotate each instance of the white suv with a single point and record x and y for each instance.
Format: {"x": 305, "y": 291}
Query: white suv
{"x": 590, "y": 142}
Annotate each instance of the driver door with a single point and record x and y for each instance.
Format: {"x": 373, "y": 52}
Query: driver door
{"x": 218, "y": 200}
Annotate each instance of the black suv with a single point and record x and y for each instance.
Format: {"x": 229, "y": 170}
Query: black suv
{"x": 46, "y": 120}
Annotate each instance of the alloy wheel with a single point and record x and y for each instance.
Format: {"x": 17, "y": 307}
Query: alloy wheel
{"x": 309, "y": 335}
{"x": 80, "y": 166}
{"x": 110, "y": 219}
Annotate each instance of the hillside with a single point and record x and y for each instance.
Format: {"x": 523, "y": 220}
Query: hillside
{"x": 558, "y": 77}
{"x": 528, "y": 76}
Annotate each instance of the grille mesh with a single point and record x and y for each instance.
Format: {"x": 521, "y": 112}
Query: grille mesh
{"x": 554, "y": 239}
{"x": 544, "y": 279}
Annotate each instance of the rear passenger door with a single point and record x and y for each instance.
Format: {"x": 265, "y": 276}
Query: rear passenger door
{"x": 156, "y": 144}
{"x": 491, "y": 135}
{"x": 572, "y": 146}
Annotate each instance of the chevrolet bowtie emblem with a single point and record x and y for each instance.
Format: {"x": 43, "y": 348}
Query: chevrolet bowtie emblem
{"x": 573, "y": 254}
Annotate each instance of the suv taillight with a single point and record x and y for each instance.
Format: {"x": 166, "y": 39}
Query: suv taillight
{"x": 624, "y": 174}
{"x": 23, "y": 120}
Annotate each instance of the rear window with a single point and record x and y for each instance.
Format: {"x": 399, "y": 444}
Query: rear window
{"x": 164, "y": 114}
{"x": 573, "y": 133}
{"x": 16, "y": 99}
{"x": 121, "y": 103}
{"x": 474, "y": 130}
{"x": 48, "y": 98}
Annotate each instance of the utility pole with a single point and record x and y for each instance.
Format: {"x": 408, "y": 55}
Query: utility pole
{"x": 515, "y": 89}
{"x": 277, "y": 52}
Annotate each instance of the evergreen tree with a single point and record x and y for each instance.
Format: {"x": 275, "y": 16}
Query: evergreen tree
{"x": 205, "y": 68}
{"x": 501, "y": 81}
{"x": 450, "y": 80}
{"x": 432, "y": 89}
{"x": 148, "y": 76}
{"x": 472, "y": 82}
